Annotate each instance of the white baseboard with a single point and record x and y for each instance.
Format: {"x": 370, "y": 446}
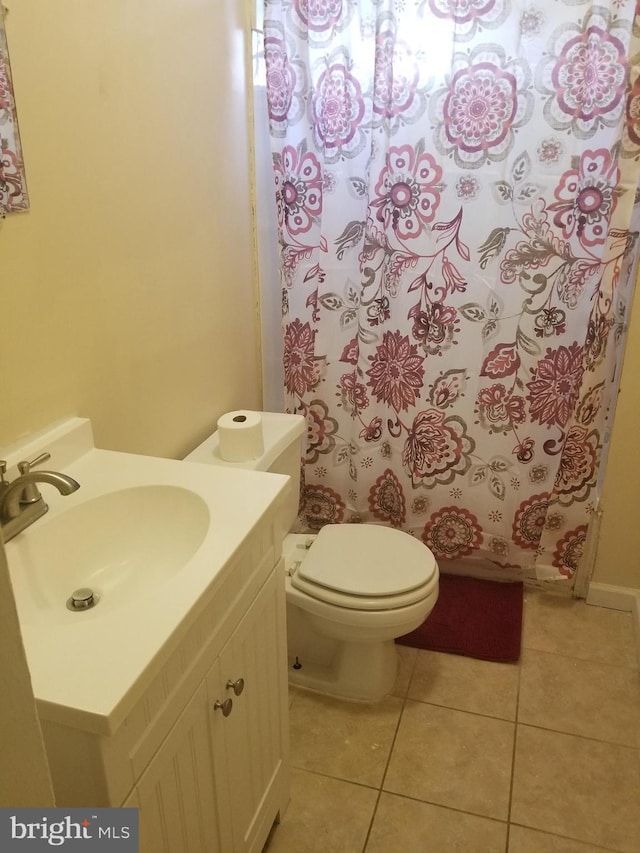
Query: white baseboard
{"x": 613, "y": 597}
{"x": 618, "y": 598}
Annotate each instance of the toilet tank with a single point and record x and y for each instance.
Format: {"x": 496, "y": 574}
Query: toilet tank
{"x": 283, "y": 448}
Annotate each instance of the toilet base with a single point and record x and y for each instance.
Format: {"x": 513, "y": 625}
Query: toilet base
{"x": 363, "y": 672}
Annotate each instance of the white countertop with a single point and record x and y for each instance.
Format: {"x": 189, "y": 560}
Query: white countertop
{"x": 85, "y": 665}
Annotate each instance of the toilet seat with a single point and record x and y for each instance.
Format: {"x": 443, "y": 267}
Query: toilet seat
{"x": 366, "y": 567}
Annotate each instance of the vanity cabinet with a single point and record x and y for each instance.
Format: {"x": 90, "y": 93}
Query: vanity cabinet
{"x": 205, "y": 781}
{"x": 176, "y": 794}
{"x": 215, "y": 784}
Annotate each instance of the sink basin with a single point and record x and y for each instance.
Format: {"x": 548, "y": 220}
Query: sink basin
{"x": 121, "y": 545}
{"x": 163, "y": 543}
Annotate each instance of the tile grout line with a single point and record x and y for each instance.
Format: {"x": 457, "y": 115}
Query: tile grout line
{"x": 595, "y": 661}
{"x": 448, "y": 808}
{"x": 464, "y": 710}
{"x": 393, "y": 743}
{"x": 513, "y": 755}
{"x": 569, "y": 838}
{"x": 326, "y": 775}
{"x": 631, "y": 746}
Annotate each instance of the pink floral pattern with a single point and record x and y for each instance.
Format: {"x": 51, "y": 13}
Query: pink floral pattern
{"x": 577, "y": 472}
{"x": 321, "y": 505}
{"x": 555, "y": 384}
{"x": 436, "y": 448}
{"x": 487, "y": 98}
{"x": 451, "y": 326}
{"x": 397, "y": 96}
{"x": 338, "y": 110}
{"x": 319, "y": 14}
{"x": 298, "y": 179}
{"x": 452, "y": 533}
{"x": 448, "y": 388}
{"x": 499, "y": 409}
{"x": 300, "y": 363}
{"x": 586, "y": 198}
{"x": 434, "y": 326}
{"x": 406, "y": 194}
{"x": 540, "y": 247}
{"x": 480, "y": 107}
{"x": 321, "y": 430}
{"x": 590, "y": 74}
{"x": 386, "y": 499}
{"x": 569, "y": 551}
{"x": 631, "y": 138}
{"x": 352, "y": 394}
{"x": 319, "y": 21}
{"x": 585, "y": 75}
{"x": 281, "y": 80}
{"x": 529, "y": 521}
{"x": 13, "y": 185}
{"x": 467, "y": 187}
{"x": 396, "y": 372}
{"x": 549, "y": 151}
{"x": 470, "y": 15}
{"x": 590, "y": 405}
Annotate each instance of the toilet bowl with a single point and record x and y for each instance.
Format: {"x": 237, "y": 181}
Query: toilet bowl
{"x": 351, "y": 589}
{"x": 360, "y": 586}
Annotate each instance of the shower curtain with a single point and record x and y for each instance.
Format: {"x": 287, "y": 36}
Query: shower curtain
{"x": 455, "y": 186}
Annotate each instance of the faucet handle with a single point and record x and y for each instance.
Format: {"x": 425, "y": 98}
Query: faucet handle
{"x": 31, "y": 493}
{"x": 3, "y": 471}
{"x": 25, "y": 467}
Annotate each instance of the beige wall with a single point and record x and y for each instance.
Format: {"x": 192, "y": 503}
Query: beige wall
{"x": 618, "y": 554}
{"x": 126, "y": 291}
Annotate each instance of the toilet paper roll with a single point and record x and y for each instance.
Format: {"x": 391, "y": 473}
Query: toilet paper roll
{"x": 240, "y": 436}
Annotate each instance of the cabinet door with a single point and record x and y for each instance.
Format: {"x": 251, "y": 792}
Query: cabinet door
{"x": 256, "y": 731}
{"x": 178, "y": 807}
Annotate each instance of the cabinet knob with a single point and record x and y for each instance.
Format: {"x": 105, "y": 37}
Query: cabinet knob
{"x": 237, "y": 686}
{"x": 226, "y": 707}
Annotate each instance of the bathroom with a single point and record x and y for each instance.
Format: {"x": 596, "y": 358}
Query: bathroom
{"x": 128, "y": 289}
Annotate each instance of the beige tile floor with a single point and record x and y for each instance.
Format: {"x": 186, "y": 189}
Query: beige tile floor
{"x": 542, "y": 756}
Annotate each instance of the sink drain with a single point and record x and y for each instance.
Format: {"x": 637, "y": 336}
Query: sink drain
{"x": 82, "y": 599}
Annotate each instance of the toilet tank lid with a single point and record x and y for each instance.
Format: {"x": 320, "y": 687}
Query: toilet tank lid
{"x": 278, "y": 431}
{"x": 367, "y": 559}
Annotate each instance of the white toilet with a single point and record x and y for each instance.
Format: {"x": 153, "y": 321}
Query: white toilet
{"x": 351, "y": 589}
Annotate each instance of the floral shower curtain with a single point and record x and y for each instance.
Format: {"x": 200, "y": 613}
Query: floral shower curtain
{"x": 455, "y": 186}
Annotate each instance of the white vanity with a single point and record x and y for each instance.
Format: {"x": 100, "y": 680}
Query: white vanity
{"x": 171, "y": 693}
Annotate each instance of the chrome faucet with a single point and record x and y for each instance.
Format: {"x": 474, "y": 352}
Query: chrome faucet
{"x": 20, "y": 501}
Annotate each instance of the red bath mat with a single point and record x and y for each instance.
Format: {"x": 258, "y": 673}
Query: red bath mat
{"x": 476, "y": 618}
